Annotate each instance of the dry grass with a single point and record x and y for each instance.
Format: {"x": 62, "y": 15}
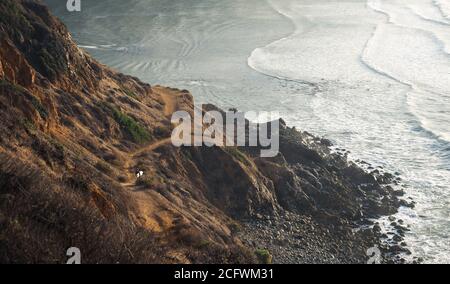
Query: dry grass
{"x": 39, "y": 220}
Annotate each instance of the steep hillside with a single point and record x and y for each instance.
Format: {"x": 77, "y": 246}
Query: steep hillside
{"x": 74, "y": 133}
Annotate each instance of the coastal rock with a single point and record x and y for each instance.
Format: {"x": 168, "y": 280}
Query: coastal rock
{"x": 14, "y": 66}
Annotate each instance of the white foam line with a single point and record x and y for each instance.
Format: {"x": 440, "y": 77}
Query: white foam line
{"x": 376, "y": 6}
{"x": 434, "y": 21}
{"x": 88, "y": 46}
{"x": 372, "y": 4}
{"x": 439, "y": 22}
{"x": 295, "y": 31}
{"x": 413, "y": 89}
{"x": 439, "y": 5}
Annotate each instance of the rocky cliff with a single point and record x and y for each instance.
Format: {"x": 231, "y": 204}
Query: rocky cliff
{"x": 74, "y": 132}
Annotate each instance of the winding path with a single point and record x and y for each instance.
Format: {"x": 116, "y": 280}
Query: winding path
{"x": 170, "y": 105}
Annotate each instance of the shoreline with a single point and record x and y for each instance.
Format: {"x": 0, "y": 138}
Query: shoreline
{"x": 324, "y": 237}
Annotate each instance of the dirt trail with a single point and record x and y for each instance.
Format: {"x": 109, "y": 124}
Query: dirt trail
{"x": 170, "y": 105}
{"x": 152, "y": 146}
{"x": 151, "y": 213}
{"x": 169, "y": 98}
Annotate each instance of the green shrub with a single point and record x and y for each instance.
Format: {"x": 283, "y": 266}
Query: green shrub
{"x": 146, "y": 181}
{"x": 204, "y": 244}
{"x": 138, "y": 133}
{"x": 264, "y": 256}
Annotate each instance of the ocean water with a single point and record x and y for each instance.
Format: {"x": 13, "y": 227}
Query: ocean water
{"x": 373, "y": 76}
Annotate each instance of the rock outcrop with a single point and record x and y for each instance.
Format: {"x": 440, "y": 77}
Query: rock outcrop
{"x": 16, "y": 68}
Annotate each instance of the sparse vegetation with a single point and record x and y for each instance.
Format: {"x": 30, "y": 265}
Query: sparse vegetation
{"x": 7, "y": 86}
{"x": 130, "y": 93}
{"x": 138, "y": 133}
{"x": 264, "y": 256}
{"x": 104, "y": 167}
{"x": 77, "y": 182}
{"x": 39, "y": 107}
{"x": 47, "y": 53}
{"x": 15, "y": 88}
{"x": 40, "y": 219}
{"x": 187, "y": 152}
{"x": 48, "y": 149}
{"x": 204, "y": 244}
{"x": 11, "y": 16}
{"x": 29, "y": 125}
{"x": 235, "y": 227}
{"x": 146, "y": 181}
{"x": 234, "y": 151}
{"x": 161, "y": 131}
